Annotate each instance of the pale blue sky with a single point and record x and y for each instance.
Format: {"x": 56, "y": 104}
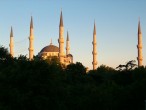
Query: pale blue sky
{"x": 116, "y": 23}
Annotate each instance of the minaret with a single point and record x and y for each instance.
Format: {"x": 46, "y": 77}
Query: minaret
{"x": 61, "y": 40}
{"x": 67, "y": 44}
{"x": 11, "y": 43}
{"x": 139, "y": 46}
{"x": 31, "y": 39}
{"x": 94, "y": 48}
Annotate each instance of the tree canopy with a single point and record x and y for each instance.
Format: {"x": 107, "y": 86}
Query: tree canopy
{"x": 46, "y": 84}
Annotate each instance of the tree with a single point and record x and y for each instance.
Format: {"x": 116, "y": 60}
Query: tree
{"x": 4, "y": 54}
{"x": 129, "y": 66}
{"x": 77, "y": 69}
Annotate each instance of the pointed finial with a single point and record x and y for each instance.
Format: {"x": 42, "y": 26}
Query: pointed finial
{"x": 31, "y": 22}
{"x": 67, "y": 36}
{"x": 51, "y": 42}
{"x": 139, "y": 28}
{"x": 94, "y": 32}
{"x": 11, "y": 33}
{"x": 61, "y": 19}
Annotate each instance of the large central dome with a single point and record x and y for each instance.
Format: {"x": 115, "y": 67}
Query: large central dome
{"x": 50, "y": 48}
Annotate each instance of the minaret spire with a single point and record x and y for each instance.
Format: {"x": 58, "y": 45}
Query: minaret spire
{"x": 31, "y": 22}
{"x": 139, "y": 46}
{"x": 11, "y": 45}
{"x": 11, "y": 33}
{"x": 67, "y": 36}
{"x": 61, "y": 19}
{"x": 139, "y": 28}
{"x": 67, "y": 44}
{"x": 61, "y": 40}
{"x": 31, "y": 39}
{"x": 94, "y": 63}
{"x": 94, "y": 32}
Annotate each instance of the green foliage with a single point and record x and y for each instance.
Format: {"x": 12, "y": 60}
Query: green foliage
{"x": 45, "y": 84}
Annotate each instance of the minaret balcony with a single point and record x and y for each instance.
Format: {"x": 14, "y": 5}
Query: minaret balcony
{"x": 31, "y": 38}
{"x": 94, "y": 63}
{"x": 139, "y": 58}
{"x": 67, "y": 48}
{"x": 94, "y": 43}
{"x": 30, "y": 49}
{"x": 11, "y": 45}
{"x": 94, "y": 53}
{"x": 139, "y": 46}
{"x": 60, "y": 40}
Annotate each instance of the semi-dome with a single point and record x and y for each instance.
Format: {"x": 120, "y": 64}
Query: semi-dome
{"x": 50, "y": 48}
{"x": 69, "y": 55}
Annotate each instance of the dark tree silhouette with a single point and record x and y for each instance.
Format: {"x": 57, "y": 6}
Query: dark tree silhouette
{"x": 129, "y": 66}
{"x": 43, "y": 84}
{"x": 4, "y": 54}
{"x": 76, "y": 68}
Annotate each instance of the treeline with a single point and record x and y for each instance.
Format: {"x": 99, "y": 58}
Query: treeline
{"x": 48, "y": 85}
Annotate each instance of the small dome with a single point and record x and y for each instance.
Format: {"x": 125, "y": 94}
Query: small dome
{"x": 50, "y": 48}
{"x": 69, "y": 55}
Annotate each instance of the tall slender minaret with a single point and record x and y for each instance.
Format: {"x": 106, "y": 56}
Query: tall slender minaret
{"x": 67, "y": 44}
{"x": 11, "y": 43}
{"x": 31, "y": 39}
{"x": 61, "y": 40}
{"x": 139, "y": 46}
{"x": 94, "y": 48}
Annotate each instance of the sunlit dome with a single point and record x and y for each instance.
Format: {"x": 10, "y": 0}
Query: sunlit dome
{"x": 50, "y": 48}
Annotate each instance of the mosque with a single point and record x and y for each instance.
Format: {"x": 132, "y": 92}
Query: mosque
{"x": 52, "y": 50}
{"x": 67, "y": 58}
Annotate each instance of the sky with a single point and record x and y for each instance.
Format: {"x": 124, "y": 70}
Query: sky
{"x": 116, "y": 27}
